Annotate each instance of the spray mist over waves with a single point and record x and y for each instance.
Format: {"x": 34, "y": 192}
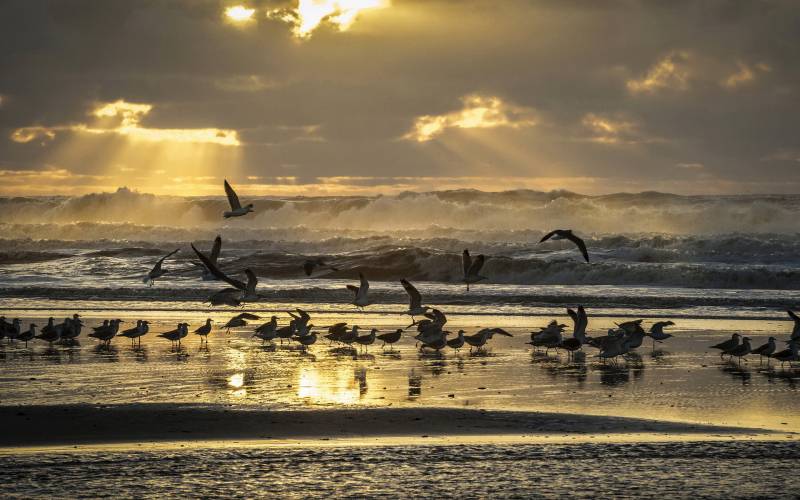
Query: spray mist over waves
{"x": 463, "y": 210}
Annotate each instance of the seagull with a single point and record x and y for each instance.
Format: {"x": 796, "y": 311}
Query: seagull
{"x": 213, "y": 256}
{"x": 740, "y": 350}
{"x": 796, "y": 329}
{"x": 657, "y": 332}
{"x": 157, "y": 272}
{"x": 788, "y": 355}
{"x": 15, "y": 331}
{"x": 267, "y": 331}
{"x": 368, "y": 339}
{"x": 237, "y": 210}
{"x": 479, "y": 339}
{"x": 307, "y": 339}
{"x": 471, "y": 269}
{"x": 415, "y": 307}
{"x": 248, "y": 289}
{"x": 619, "y": 346}
{"x": 48, "y": 334}
{"x": 28, "y": 334}
{"x": 458, "y": 342}
{"x": 566, "y": 234}
{"x": 765, "y": 350}
{"x": 286, "y": 332}
{"x": 234, "y": 322}
{"x": 141, "y": 329}
{"x": 204, "y": 330}
{"x": 336, "y": 332}
{"x": 106, "y": 332}
{"x": 361, "y": 298}
{"x": 310, "y": 264}
{"x": 727, "y": 345}
{"x": 580, "y": 321}
{"x": 549, "y": 336}
{"x": 177, "y": 334}
{"x": 301, "y": 320}
{"x": 391, "y": 337}
{"x": 71, "y": 328}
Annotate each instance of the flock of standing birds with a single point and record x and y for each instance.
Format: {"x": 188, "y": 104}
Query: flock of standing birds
{"x": 430, "y": 329}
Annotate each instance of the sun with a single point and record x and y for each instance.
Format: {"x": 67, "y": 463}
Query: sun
{"x": 239, "y": 13}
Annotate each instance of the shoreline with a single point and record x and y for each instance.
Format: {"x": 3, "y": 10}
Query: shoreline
{"x": 61, "y": 425}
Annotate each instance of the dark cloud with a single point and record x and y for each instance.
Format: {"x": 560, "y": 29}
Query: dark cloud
{"x": 338, "y": 104}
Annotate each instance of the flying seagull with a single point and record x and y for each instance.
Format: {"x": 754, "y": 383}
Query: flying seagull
{"x": 415, "y": 307}
{"x": 360, "y": 299}
{"x": 215, "y": 249}
{"x": 311, "y": 264}
{"x": 248, "y": 289}
{"x": 237, "y": 210}
{"x": 566, "y": 234}
{"x": 157, "y": 272}
{"x": 472, "y": 268}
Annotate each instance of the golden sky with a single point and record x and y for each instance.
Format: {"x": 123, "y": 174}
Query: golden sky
{"x": 321, "y": 97}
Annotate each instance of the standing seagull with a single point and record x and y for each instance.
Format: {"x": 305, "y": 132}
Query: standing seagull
{"x": 415, "y": 307}
{"x": 248, "y": 289}
{"x": 237, "y": 210}
{"x": 471, "y": 269}
{"x": 729, "y": 344}
{"x": 391, "y": 337}
{"x": 157, "y": 272}
{"x": 765, "y": 350}
{"x": 361, "y": 298}
{"x": 204, "y": 330}
{"x": 566, "y": 234}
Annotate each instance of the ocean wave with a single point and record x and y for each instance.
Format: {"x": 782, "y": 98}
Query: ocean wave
{"x": 471, "y": 210}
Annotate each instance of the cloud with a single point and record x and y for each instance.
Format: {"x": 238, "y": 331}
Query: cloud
{"x": 478, "y": 111}
{"x": 669, "y": 73}
{"x": 690, "y": 166}
{"x": 123, "y": 118}
{"x": 308, "y": 15}
{"x": 613, "y": 130}
{"x": 244, "y": 83}
{"x": 744, "y": 75}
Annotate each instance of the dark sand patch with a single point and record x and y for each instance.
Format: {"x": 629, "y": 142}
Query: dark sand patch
{"x": 94, "y": 424}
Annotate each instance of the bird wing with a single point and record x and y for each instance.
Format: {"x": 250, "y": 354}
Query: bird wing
{"x": 583, "y": 317}
{"x": 252, "y": 280}
{"x": 157, "y": 267}
{"x": 216, "y": 248}
{"x": 581, "y": 245}
{"x": 246, "y": 315}
{"x": 574, "y": 316}
{"x": 353, "y": 289}
{"x": 466, "y": 262}
{"x": 213, "y": 269}
{"x": 414, "y": 296}
{"x": 476, "y": 266}
{"x": 792, "y": 315}
{"x": 308, "y": 267}
{"x": 303, "y": 314}
{"x": 548, "y": 236}
{"x": 364, "y": 288}
{"x": 500, "y": 331}
{"x": 232, "y": 198}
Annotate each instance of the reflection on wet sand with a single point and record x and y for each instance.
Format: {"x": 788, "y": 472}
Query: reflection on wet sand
{"x": 684, "y": 383}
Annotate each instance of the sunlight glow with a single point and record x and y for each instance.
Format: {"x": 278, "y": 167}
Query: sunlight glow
{"x": 671, "y": 72}
{"x": 478, "y": 112}
{"x": 123, "y": 118}
{"x": 309, "y": 14}
{"x": 336, "y": 386}
{"x": 239, "y": 13}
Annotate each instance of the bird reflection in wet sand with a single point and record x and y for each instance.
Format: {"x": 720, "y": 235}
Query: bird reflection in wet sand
{"x": 360, "y": 376}
{"x": 737, "y": 371}
{"x": 414, "y": 385}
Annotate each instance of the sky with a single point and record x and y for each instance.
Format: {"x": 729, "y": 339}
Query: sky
{"x": 350, "y": 97}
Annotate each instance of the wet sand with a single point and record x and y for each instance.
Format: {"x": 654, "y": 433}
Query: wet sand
{"x": 90, "y": 424}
